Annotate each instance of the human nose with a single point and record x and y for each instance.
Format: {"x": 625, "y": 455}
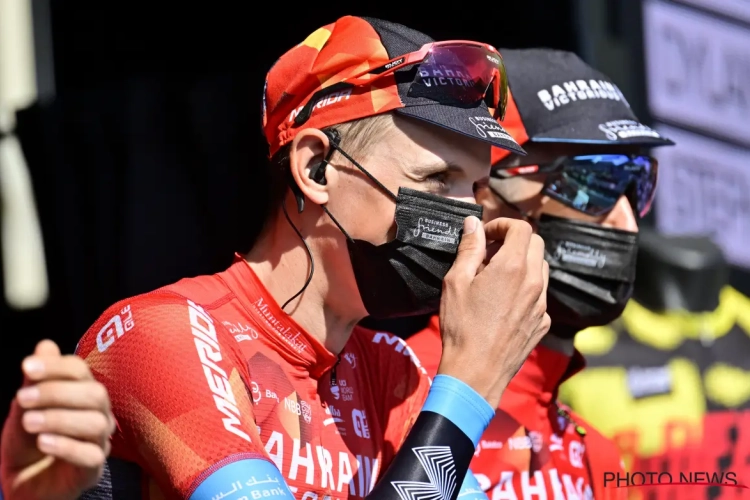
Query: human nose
{"x": 621, "y": 216}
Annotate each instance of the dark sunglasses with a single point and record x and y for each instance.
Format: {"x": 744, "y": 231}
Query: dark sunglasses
{"x": 592, "y": 184}
{"x": 456, "y": 73}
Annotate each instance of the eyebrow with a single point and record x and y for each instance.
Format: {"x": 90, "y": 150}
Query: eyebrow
{"x": 437, "y": 167}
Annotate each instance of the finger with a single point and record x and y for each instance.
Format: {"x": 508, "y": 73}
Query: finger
{"x": 517, "y": 240}
{"x": 545, "y": 277}
{"x": 492, "y": 248}
{"x": 81, "y": 395}
{"x": 70, "y": 367}
{"x": 471, "y": 250}
{"x": 78, "y": 453}
{"x": 87, "y": 425}
{"x": 47, "y": 348}
{"x": 535, "y": 255}
{"x": 497, "y": 229}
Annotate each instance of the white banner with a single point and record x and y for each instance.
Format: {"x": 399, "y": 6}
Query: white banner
{"x": 736, "y": 9}
{"x": 704, "y": 189}
{"x": 697, "y": 70}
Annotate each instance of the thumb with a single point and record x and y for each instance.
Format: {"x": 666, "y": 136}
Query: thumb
{"x": 47, "y": 348}
{"x": 472, "y": 249}
{"x": 44, "y": 349}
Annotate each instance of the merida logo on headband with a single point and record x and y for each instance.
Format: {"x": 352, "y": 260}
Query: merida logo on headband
{"x": 324, "y": 101}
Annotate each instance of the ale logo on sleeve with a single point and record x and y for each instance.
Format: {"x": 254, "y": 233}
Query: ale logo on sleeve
{"x": 438, "y": 464}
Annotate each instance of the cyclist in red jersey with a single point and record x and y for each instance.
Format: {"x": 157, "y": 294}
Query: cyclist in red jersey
{"x": 224, "y": 387}
{"x": 582, "y": 186}
{"x": 56, "y": 437}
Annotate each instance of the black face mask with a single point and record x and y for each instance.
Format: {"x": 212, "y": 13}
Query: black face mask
{"x": 404, "y": 277}
{"x": 592, "y": 270}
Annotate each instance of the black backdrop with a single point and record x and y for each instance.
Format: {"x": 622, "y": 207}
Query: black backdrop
{"x": 149, "y": 164}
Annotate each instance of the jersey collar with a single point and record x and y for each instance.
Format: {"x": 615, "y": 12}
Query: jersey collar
{"x": 543, "y": 372}
{"x": 293, "y": 343}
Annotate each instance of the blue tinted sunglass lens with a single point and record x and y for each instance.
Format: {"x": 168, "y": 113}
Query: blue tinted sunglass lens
{"x": 645, "y": 187}
{"x": 592, "y": 184}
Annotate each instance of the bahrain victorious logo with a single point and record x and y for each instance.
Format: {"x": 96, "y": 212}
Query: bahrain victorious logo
{"x": 437, "y": 462}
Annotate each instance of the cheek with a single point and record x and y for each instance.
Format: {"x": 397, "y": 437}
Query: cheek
{"x": 555, "y": 208}
{"x": 462, "y": 190}
{"x": 366, "y": 213}
{"x": 490, "y": 214}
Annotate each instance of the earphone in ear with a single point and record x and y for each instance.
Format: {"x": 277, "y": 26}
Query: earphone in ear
{"x": 318, "y": 173}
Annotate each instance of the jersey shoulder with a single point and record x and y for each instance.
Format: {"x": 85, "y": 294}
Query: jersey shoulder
{"x": 170, "y": 368}
{"x": 389, "y": 360}
{"x": 153, "y": 317}
{"x": 386, "y": 348}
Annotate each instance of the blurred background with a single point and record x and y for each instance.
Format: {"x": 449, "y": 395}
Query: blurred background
{"x": 131, "y": 156}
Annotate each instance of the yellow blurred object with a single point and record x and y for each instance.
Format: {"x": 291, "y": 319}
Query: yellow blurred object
{"x": 597, "y": 340}
{"x": 24, "y": 266}
{"x": 727, "y": 385}
{"x": 671, "y": 389}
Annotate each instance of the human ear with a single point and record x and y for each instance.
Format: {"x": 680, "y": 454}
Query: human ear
{"x": 308, "y": 150}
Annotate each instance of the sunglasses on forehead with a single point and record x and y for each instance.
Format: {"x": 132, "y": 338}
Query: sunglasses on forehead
{"x": 592, "y": 184}
{"x": 456, "y": 73}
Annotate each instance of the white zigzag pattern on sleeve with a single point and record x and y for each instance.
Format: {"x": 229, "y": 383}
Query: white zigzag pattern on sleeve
{"x": 437, "y": 462}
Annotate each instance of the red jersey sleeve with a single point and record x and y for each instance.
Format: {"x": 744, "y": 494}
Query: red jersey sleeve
{"x": 176, "y": 384}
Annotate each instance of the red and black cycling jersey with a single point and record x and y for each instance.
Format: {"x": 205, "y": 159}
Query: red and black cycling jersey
{"x": 210, "y": 371}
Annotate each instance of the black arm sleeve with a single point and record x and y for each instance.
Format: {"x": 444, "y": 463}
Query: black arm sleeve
{"x": 433, "y": 460}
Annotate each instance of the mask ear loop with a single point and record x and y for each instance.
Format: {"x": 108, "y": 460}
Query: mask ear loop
{"x": 334, "y": 140}
{"x": 318, "y": 174}
{"x": 335, "y": 145}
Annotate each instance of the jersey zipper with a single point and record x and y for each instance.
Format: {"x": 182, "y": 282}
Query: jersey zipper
{"x": 582, "y": 433}
{"x": 321, "y": 430}
{"x": 564, "y": 414}
{"x": 333, "y": 370}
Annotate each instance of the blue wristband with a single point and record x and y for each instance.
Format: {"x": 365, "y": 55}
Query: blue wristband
{"x": 249, "y": 478}
{"x": 460, "y": 404}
